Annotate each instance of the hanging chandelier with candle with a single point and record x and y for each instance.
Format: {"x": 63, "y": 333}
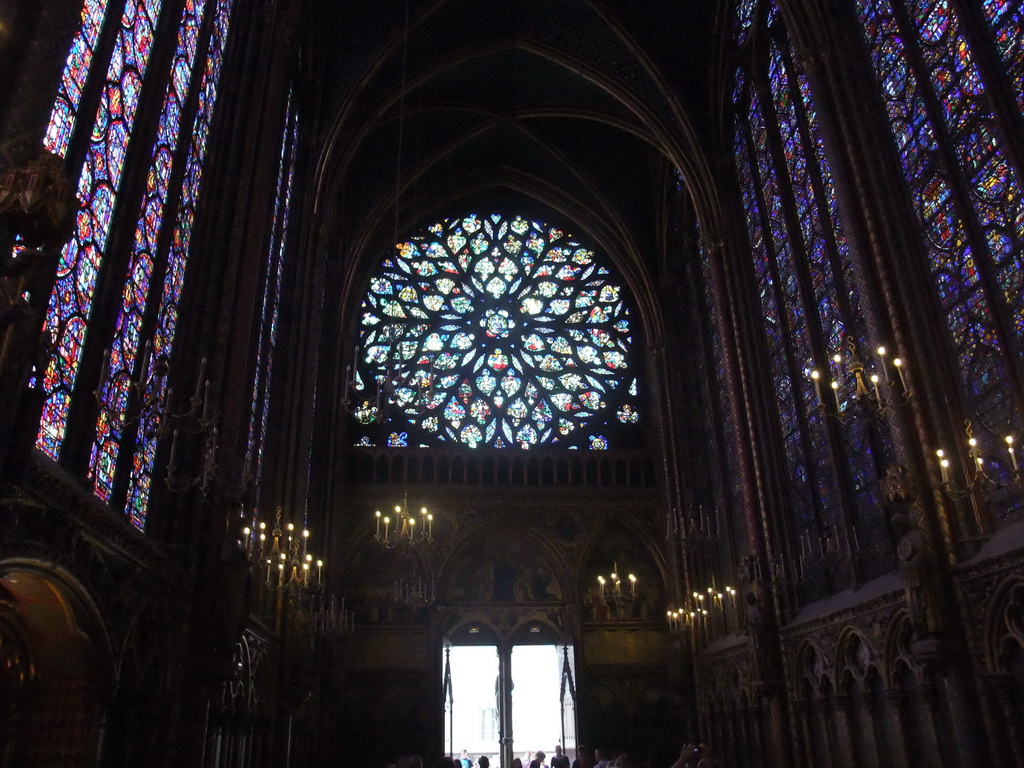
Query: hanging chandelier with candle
{"x": 281, "y": 554}
{"x": 404, "y": 526}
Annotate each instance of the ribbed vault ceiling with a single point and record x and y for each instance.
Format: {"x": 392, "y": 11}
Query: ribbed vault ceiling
{"x": 575, "y": 109}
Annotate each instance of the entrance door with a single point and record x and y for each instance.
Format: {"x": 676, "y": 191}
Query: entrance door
{"x": 472, "y": 693}
{"x": 543, "y": 706}
{"x": 510, "y": 699}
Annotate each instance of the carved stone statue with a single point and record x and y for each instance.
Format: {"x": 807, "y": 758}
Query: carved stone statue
{"x": 920, "y": 580}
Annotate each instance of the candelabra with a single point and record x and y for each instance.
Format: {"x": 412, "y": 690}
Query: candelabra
{"x": 619, "y": 603}
{"x": 884, "y": 392}
{"x": 197, "y": 419}
{"x": 404, "y": 379}
{"x": 830, "y": 548}
{"x": 698, "y": 613}
{"x": 328, "y": 619}
{"x": 977, "y": 479}
{"x": 141, "y": 396}
{"x": 404, "y": 528}
{"x": 413, "y": 592}
{"x": 695, "y": 530}
{"x": 282, "y": 554}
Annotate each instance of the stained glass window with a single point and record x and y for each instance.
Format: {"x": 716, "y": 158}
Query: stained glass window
{"x": 1007, "y": 20}
{"x": 273, "y": 277}
{"x": 498, "y": 331}
{"x": 805, "y": 284}
{"x": 744, "y": 19}
{"x": 965, "y": 190}
{"x": 72, "y": 81}
{"x": 80, "y": 261}
{"x": 116, "y": 389}
{"x": 141, "y": 474}
{"x": 719, "y": 423}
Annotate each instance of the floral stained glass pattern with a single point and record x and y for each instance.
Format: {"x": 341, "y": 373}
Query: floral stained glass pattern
{"x": 72, "y": 81}
{"x": 500, "y": 331}
{"x": 115, "y": 390}
{"x": 140, "y": 479}
{"x": 80, "y": 261}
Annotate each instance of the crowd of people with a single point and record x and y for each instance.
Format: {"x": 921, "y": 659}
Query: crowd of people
{"x": 693, "y": 755}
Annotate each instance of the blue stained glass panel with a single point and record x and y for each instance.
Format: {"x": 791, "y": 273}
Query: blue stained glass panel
{"x": 1007, "y": 20}
{"x": 115, "y": 390}
{"x": 71, "y": 301}
{"x": 140, "y": 480}
{"x": 995, "y": 194}
{"x": 69, "y": 94}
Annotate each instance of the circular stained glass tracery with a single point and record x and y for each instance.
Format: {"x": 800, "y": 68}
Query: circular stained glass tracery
{"x": 498, "y": 331}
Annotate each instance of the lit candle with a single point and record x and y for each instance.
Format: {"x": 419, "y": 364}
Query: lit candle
{"x": 430, "y": 526}
{"x": 838, "y": 360}
{"x": 632, "y": 584}
{"x": 835, "y": 393}
{"x": 975, "y": 452}
{"x": 305, "y": 540}
{"x": 671, "y": 625}
{"x": 600, "y": 580}
{"x": 387, "y": 522}
{"x": 943, "y": 465}
{"x": 1013, "y": 455}
{"x": 874, "y": 381}
{"x": 377, "y": 534}
{"x": 881, "y": 362}
{"x": 899, "y": 369}
{"x": 816, "y": 378}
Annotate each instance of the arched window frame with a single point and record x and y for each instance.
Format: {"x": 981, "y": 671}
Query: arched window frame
{"x": 807, "y": 295}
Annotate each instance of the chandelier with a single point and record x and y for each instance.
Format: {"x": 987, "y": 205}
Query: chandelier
{"x": 404, "y": 527}
{"x": 282, "y": 554}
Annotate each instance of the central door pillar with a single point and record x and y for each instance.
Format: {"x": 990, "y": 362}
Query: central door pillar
{"x": 505, "y": 702}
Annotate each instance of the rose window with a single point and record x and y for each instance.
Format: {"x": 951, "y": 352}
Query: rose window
{"x": 495, "y": 331}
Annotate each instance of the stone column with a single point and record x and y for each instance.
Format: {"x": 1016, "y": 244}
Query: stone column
{"x": 893, "y": 719}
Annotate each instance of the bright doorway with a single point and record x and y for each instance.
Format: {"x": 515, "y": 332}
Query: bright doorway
{"x": 542, "y": 714}
{"x": 471, "y": 709}
{"x": 542, "y": 686}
